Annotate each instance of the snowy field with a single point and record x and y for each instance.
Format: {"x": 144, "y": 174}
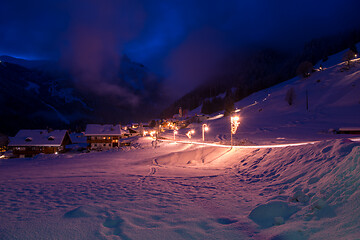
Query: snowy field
{"x": 183, "y": 191}
{"x": 194, "y": 191}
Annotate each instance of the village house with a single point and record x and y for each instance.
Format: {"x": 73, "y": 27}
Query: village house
{"x": 348, "y": 130}
{"x": 104, "y": 136}
{"x": 28, "y": 143}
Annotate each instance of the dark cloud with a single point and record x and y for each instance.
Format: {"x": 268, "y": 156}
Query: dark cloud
{"x": 182, "y": 40}
{"x": 97, "y": 33}
{"x": 194, "y": 60}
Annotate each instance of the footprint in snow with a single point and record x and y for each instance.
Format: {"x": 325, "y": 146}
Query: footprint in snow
{"x": 152, "y": 171}
{"x": 226, "y": 221}
{"x": 113, "y": 226}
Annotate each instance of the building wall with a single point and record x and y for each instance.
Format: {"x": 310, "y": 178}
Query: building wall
{"x": 32, "y": 151}
{"x": 103, "y": 142}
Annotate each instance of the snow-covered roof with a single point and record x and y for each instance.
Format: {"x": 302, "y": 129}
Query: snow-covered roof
{"x": 103, "y": 130}
{"x": 349, "y": 129}
{"x": 77, "y": 137}
{"x": 38, "y": 137}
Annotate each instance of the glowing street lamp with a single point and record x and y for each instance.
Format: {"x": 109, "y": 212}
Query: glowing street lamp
{"x": 189, "y": 133}
{"x": 152, "y": 133}
{"x": 235, "y": 122}
{"x": 175, "y": 132}
{"x": 205, "y": 128}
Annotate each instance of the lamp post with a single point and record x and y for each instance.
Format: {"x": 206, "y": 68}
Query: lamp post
{"x": 205, "y": 128}
{"x": 235, "y": 121}
{"x": 175, "y": 132}
{"x": 189, "y": 133}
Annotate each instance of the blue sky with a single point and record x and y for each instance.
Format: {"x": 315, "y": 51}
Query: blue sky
{"x": 158, "y": 32}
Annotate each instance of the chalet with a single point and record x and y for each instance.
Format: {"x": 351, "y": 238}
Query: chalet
{"x": 104, "y": 136}
{"x": 28, "y": 143}
{"x": 348, "y": 130}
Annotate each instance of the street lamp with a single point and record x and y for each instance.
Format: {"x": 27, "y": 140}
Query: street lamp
{"x": 235, "y": 121}
{"x": 189, "y": 133}
{"x": 205, "y": 128}
{"x": 152, "y": 133}
{"x": 175, "y": 132}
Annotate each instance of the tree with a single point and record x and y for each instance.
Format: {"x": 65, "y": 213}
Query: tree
{"x": 290, "y": 96}
{"x": 152, "y": 124}
{"x": 304, "y": 69}
{"x": 348, "y": 56}
{"x": 205, "y": 109}
{"x": 353, "y": 48}
{"x": 229, "y": 103}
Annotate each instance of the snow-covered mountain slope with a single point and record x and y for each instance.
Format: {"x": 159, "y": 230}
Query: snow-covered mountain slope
{"x": 327, "y": 100}
{"x": 38, "y": 64}
{"x": 34, "y": 99}
{"x": 49, "y": 97}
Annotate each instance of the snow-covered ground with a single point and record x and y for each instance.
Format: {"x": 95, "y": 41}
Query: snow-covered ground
{"x": 184, "y": 191}
{"x": 194, "y": 191}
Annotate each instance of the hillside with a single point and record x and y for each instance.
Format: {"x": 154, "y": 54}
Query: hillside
{"x": 40, "y": 94}
{"x": 259, "y": 68}
{"x": 266, "y": 116}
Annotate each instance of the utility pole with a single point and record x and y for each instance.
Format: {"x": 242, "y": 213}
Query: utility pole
{"x": 307, "y": 100}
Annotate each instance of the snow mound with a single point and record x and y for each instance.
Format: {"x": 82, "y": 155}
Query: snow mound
{"x": 83, "y": 211}
{"x": 198, "y": 156}
{"x": 290, "y": 235}
{"x": 272, "y": 213}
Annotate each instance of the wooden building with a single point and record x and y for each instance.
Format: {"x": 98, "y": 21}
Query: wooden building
{"x": 104, "y": 136}
{"x": 348, "y": 130}
{"x": 28, "y": 143}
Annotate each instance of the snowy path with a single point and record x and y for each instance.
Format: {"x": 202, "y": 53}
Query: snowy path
{"x": 249, "y": 147}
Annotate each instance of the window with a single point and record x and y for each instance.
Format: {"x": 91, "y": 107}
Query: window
{"x": 51, "y": 138}
{"x": 28, "y": 139}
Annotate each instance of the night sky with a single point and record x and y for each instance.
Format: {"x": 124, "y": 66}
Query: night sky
{"x": 180, "y": 40}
